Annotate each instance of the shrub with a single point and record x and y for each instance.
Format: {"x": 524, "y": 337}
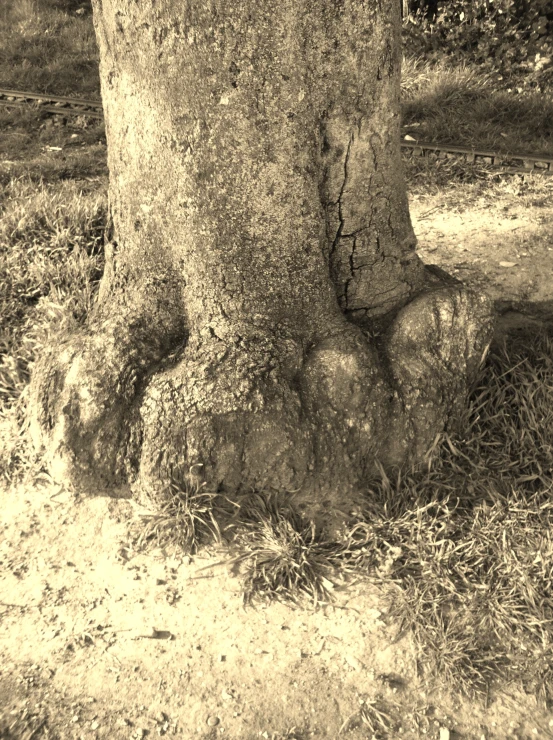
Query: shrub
{"x": 509, "y": 37}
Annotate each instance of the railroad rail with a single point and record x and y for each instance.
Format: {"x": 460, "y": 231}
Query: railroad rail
{"x": 506, "y": 162}
{"x": 51, "y": 103}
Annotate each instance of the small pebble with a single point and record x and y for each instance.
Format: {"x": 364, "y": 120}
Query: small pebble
{"x": 212, "y": 721}
{"x": 94, "y": 725}
{"x": 444, "y": 733}
{"x": 75, "y": 718}
{"x": 353, "y": 662}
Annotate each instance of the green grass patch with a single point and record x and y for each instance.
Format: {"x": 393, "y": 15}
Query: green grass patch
{"x": 186, "y": 519}
{"x": 279, "y": 554}
{"x": 374, "y": 716}
{"x": 463, "y": 106}
{"x": 51, "y": 254}
{"x": 46, "y": 46}
{"x": 51, "y": 261}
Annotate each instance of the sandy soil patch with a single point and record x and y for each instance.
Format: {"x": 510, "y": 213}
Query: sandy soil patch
{"x": 501, "y": 247}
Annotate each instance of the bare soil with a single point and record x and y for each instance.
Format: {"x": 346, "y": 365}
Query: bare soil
{"x": 503, "y": 247}
{"x": 98, "y": 640}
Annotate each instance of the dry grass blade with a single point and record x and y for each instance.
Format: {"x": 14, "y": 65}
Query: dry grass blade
{"x": 376, "y": 717}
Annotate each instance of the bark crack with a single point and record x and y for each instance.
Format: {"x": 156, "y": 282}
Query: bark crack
{"x": 373, "y": 141}
{"x": 353, "y": 234}
{"x": 340, "y": 197}
{"x": 352, "y": 269}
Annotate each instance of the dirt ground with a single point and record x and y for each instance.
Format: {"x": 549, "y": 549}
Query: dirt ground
{"x": 99, "y": 641}
{"x": 504, "y": 247}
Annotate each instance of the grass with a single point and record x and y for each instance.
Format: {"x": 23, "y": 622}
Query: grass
{"x": 463, "y": 547}
{"x": 280, "y": 555}
{"x": 51, "y": 260}
{"x": 374, "y": 717}
{"x": 462, "y": 106}
{"x": 186, "y": 519}
{"x": 51, "y": 245}
{"x": 48, "y": 47}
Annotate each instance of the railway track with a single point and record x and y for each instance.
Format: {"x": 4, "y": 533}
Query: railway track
{"x": 500, "y": 160}
{"x": 514, "y": 162}
{"x": 51, "y": 103}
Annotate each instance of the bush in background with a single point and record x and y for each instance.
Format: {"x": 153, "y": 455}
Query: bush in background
{"x": 509, "y": 38}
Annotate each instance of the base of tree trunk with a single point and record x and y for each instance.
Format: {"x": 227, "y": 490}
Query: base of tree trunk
{"x": 113, "y": 405}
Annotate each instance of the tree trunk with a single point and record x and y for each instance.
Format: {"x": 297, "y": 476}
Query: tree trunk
{"x": 261, "y": 228}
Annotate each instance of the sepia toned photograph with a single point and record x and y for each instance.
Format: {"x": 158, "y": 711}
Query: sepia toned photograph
{"x": 276, "y": 369}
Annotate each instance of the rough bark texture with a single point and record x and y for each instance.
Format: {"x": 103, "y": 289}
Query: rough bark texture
{"x": 261, "y": 224}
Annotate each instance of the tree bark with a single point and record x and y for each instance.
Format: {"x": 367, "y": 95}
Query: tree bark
{"x": 262, "y": 231}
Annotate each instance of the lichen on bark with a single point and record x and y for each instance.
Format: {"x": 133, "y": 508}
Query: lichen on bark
{"x": 261, "y": 227}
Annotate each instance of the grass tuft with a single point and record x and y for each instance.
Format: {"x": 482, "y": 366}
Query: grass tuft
{"x": 281, "y": 555}
{"x": 186, "y": 520}
{"x": 374, "y": 716}
{"x": 51, "y": 261}
{"x": 464, "y": 547}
